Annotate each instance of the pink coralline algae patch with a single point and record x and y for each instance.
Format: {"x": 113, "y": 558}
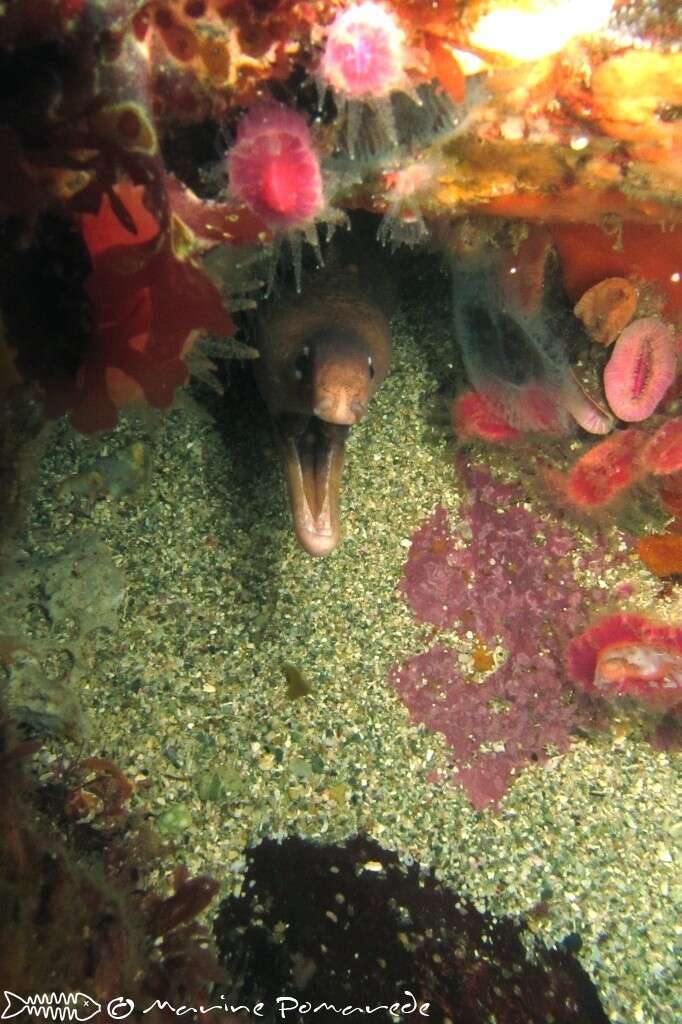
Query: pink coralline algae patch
{"x": 494, "y": 727}
{"x": 628, "y": 655}
{"x": 274, "y": 169}
{"x": 514, "y": 580}
{"x": 364, "y": 53}
{"x": 640, "y": 371}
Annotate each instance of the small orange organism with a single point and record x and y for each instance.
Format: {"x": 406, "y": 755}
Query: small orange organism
{"x": 484, "y": 661}
{"x": 662, "y": 553}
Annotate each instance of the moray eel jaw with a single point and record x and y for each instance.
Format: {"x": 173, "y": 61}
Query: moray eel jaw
{"x": 313, "y": 463}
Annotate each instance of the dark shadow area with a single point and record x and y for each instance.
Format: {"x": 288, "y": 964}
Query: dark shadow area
{"x": 249, "y": 481}
{"x": 352, "y": 926}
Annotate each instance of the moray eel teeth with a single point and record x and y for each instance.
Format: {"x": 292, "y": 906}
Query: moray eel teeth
{"x": 313, "y": 463}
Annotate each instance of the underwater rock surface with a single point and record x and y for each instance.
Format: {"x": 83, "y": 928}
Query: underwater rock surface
{"x": 351, "y": 926}
{"x": 241, "y": 692}
{"x": 79, "y": 914}
{"x": 52, "y": 612}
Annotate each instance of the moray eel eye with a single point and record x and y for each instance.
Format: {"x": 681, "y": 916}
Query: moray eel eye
{"x": 302, "y": 363}
{"x": 370, "y": 365}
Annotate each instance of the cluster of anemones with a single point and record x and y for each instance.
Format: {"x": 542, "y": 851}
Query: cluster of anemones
{"x": 643, "y": 363}
{"x": 273, "y": 166}
{"x": 638, "y": 376}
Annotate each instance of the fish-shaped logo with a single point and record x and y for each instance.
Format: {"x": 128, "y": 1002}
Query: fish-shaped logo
{"x": 52, "y": 1006}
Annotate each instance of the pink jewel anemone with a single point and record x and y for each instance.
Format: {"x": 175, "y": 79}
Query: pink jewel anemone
{"x": 364, "y": 54}
{"x": 363, "y": 62}
{"x": 641, "y": 369}
{"x": 274, "y": 169}
{"x": 403, "y": 223}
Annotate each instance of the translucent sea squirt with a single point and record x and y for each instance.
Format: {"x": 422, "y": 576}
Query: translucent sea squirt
{"x": 641, "y": 369}
{"x": 513, "y": 338}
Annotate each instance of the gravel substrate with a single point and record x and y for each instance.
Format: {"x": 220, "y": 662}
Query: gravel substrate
{"x": 189, "y": 694}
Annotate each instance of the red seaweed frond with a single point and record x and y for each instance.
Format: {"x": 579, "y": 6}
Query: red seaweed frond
{"x": 149, "y": 299}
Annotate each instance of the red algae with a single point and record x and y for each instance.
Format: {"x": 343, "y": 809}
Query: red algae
{"x": 506, "y": 586}
{"x": 105, "y": 230}
{"x": 212, "y": 223}
{"x": 605, "y": 471}
{"x": 273, "y": 167}
{"x": 445, "y": 67}
{"x": 663, "y": 454}
{"x": 474, "y": 417}
{"x": 647, "y": 251}
{"x": 628, "y": 655}
{"x": 641, "y": 369}
{"x": 148, "y": 306}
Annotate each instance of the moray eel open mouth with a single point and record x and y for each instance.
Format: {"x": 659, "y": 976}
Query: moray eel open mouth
{"x": 313, "y": 453}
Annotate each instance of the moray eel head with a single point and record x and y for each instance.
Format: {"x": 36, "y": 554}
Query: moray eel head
{"x": 335, "y": 377}
{"x": 323, "y": 355}
{"x": 338, "y": 368}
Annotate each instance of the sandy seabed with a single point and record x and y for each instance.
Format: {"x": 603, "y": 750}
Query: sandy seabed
{"x": 187, "y": 690}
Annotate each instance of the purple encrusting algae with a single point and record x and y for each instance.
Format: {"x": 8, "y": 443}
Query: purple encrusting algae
{"x": 516, "y": 581}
